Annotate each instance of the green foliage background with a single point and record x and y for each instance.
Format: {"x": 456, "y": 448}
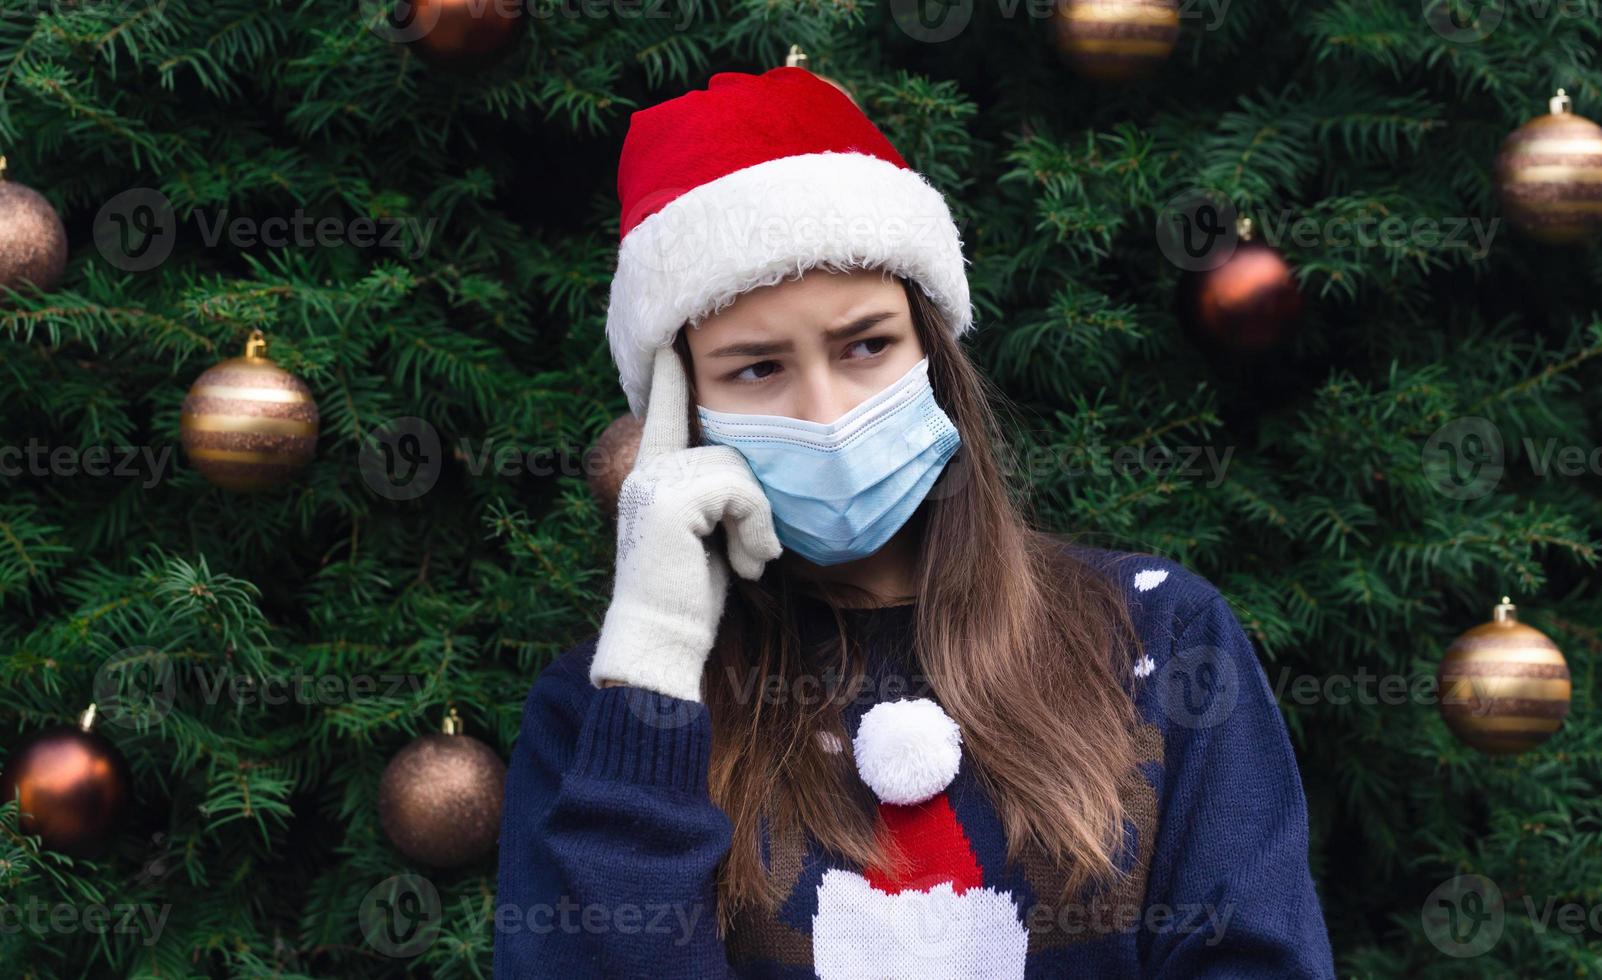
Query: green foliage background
{"x": 256, "y": 825}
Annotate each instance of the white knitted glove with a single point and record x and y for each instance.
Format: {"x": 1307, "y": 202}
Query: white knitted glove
{"x": 670, "y": 586}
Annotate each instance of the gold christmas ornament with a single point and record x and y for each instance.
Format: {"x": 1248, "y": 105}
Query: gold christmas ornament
{"x": 1549, "y": 176}
{"x": 1504, "y": 685}
{"x": 439, "y": 800}
{"x": 72, "y": 786}
{"x": 609, "y": 461}
{"x": 33, "y": 241}
{"x": 1116, "y": 40}
{"x": 248, "y": 424}
{"x": 798, "y": 59}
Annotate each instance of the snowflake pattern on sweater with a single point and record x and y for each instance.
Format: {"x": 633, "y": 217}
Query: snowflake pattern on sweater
{"x": 610, "y": 842}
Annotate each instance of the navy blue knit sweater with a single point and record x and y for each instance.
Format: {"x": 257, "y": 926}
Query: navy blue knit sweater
{"x": 610, "y": 842}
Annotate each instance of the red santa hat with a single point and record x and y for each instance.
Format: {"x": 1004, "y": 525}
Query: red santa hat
{"x": 933, "y": 916}
{"x": 754, "y": 180}
{"x": 908, "y": 752}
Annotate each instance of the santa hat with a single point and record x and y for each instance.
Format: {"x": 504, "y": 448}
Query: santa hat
{"x": 934, "y": 916}
{"x": 908, "y": 752}
{"x": 752, "y": 181}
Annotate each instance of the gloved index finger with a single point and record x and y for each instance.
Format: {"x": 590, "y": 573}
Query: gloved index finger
{"x": 667, "y": 427}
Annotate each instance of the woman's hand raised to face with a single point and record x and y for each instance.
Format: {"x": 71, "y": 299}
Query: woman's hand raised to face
{"x": 670, "y": 585}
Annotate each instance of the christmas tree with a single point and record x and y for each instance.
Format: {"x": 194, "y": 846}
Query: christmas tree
{"x": 422, "y": 224}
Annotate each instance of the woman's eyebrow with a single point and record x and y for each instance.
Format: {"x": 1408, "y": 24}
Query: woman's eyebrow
{"x": 762, "y": 348}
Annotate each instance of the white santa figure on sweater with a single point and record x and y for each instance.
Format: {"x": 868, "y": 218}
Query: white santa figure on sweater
{"x": 937, "y": 920}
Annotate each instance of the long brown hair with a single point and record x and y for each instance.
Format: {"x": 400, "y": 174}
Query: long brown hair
{"x": 1024, "y": 646}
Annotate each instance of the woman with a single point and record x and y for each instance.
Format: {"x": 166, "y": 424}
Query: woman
{"x": 909, "y": 735}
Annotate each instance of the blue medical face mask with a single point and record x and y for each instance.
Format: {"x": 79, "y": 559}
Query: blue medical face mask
{"x": 840, "y": 491}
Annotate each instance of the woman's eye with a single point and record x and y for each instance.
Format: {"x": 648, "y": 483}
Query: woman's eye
{"x": 764, "y": 369}
{"x": 740, "y": 374}
{"x": 883, "y": 342}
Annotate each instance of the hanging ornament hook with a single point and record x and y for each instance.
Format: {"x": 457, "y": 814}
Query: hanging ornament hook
{"x": 1505, "y": 611}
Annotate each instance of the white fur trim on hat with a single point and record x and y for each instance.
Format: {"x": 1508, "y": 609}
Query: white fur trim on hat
{"x": 767, "y": 223}
{"x": 907, "y": 750}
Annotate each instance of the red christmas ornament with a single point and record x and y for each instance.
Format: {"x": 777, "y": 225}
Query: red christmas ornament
{"x": 72, "y": 786}
{"x": 1249, "y": 303}
{"x": 460, "y": 34}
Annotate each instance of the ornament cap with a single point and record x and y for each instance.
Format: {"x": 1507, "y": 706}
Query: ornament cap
{"x": 796, "y": 58}
{"x": 1243, "y": 228}
{"x": 86, "y": 720}
{"x": 1505, "y": 611}
{"x": 453, "y": 722}
{"x": 1560, "y": 104}
{"x": 256, "y": 345}
{"x": 2, "y": 166}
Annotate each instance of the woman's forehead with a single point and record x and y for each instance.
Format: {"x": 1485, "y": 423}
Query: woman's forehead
{"x": 800, "y": 308}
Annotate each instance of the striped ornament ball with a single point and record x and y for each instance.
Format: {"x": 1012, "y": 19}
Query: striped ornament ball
{"x": 247, "y": 424}
{"x": 1116, "y": 40}
{"x": 1549, "y": 176}
{"x": 1504, "y": 685}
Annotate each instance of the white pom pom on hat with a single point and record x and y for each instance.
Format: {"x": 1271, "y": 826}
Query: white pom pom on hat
{"x": 907, "y": 751}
